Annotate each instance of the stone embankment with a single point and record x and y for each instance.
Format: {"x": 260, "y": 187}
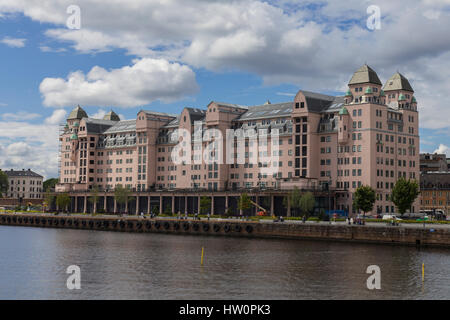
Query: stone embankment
{"x": 406, "y": 235}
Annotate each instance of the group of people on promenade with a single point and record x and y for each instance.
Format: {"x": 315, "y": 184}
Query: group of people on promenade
{"x": 357, "y": 221}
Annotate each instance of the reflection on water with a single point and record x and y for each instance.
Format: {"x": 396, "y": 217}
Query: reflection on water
{"x": 158, "y": 266}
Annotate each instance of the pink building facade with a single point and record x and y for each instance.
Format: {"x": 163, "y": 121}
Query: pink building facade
{"x": 369, "y": 136}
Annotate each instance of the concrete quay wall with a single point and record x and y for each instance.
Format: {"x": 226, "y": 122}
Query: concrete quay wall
{"x": 383, "y": 234}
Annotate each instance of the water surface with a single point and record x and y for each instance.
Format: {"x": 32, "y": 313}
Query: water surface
{"x": 118, "y": 265}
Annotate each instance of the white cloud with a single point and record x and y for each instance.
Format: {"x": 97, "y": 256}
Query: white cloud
{"x": 145, "y": 81}
{"x": 13, "y": 42}
{"x": 57, "y": 117}
{"x": 314, "y": 47}
{"x": 50, "y": 49}
{"x": 18, "y": 149}
{"x": 29, "y": 145}
{"x": 99, "y": 114}
{"x": 443, "y": 149}
{"x": 20, "y": 116}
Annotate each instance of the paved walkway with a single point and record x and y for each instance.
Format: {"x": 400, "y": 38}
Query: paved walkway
{"x": 338, "y": 223}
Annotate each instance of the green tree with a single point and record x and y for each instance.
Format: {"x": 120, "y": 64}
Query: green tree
{"x": 244, "y": 202}
{"x": 3, "y": 184}
{"x": 122, "y": 196}
{"x": 229, "y": 212}
{"x": 307, "y": 203}
{"x": 168, "y": 210}
{"x": 48, "y": 200}
{"x": 294, "y": 198}
{"x": 94, "y": 197}
{"x": 49, "y": 184}
{"x": 155, "y": 210}
{"x": 205, "y": 205}
{"x": 404, "y": 193}
{"x": 364, "y": 199}
{"x": 63, "y": 201}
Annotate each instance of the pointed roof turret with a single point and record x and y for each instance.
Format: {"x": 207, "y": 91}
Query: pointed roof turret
{"x": 397, "y": 82}
{"x": 112, "y": 116}
{"x": 77, "y": 113}
{"x": 365, "y": 74}
{"x": 343, "y": 111}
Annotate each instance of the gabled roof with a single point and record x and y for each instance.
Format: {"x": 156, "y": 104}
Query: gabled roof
{"x": 111, "y": 116}
{"x": 22, "y": 173}
{"x": 159, "y": 113}
{"x": 196, "y": 114}
{"x": 225, "y": 104}
{"x": 98, "y": 125}
{"x": 122, "y": 126}
{"x": 398, "y": 82}
{"x": 77, "y": 113}
{"x": 172, "y": 124}
{"x": 317, "y": 102}
{"x": 365, "y": 74}
{"x": 267, "y": 111}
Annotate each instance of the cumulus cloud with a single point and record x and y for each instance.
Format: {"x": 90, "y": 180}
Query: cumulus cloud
{"x": 31, "y": 145}
{"x": 316, "y": 47}
{"x": 443, "y": 149}
{"x": 146, "y": 80}
{"x": 57, "y": 117}
{"x": 50, "y": 49}
{"x": 99, "y": 114}
{"x": 18, "y": 149}
{"x": 20, "y": 116}
{"x": 14, "y": 42}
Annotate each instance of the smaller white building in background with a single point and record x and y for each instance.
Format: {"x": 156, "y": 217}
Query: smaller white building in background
{"x": 25, "y": 184}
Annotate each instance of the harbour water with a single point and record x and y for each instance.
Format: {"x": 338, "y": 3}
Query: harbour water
{"x": 118, "y": 265}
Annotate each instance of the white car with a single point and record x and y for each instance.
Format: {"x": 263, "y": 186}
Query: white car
{"x": 391, "y": 217}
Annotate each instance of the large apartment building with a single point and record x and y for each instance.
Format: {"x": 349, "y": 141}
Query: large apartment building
{"x": 369, "y": 136}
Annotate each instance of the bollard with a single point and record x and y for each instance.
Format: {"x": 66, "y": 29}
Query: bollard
{"x": 201, "y": 262}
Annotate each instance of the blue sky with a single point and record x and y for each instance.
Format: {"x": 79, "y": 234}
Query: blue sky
{"x": 164, "y": 57}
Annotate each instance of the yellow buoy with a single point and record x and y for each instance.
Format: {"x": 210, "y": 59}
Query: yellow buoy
{"x": 423, "y": 271}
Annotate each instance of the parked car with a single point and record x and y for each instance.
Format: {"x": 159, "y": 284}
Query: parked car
{"x": 391, "y": 217}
